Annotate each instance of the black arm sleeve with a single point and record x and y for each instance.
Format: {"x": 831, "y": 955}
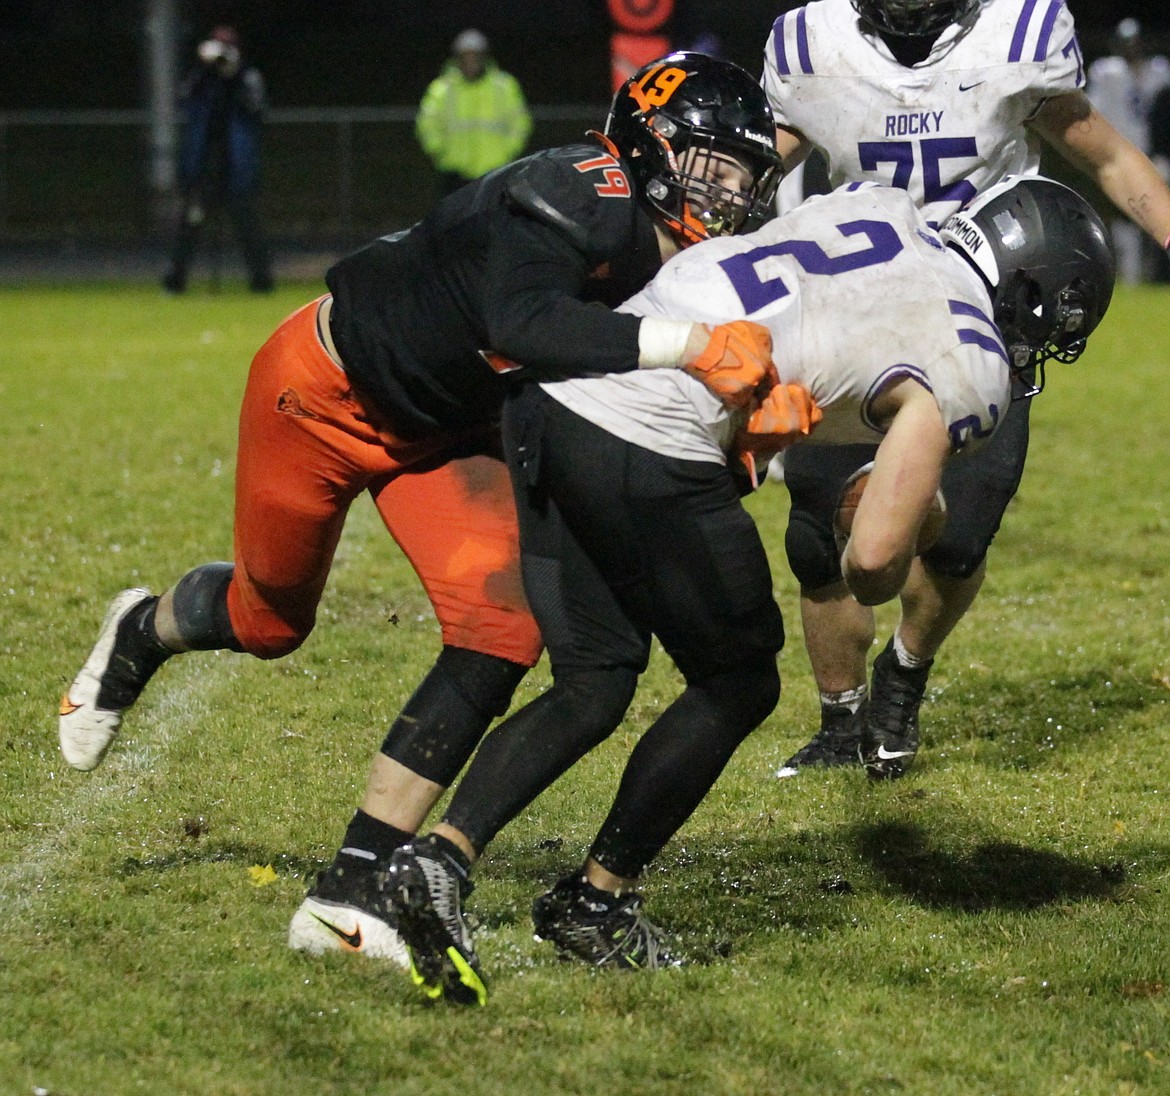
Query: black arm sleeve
{"x": 568, "y": 239}
{"x": 537, "y": 314}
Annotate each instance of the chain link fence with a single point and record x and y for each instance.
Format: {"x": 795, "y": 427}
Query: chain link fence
{"x": 332, "y": 177}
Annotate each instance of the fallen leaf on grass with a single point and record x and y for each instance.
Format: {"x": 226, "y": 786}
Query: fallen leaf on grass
{"x": 262, "y": 876}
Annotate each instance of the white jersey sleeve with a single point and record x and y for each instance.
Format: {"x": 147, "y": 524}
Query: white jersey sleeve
{"x": 856, "y": 290}
{"x": 942, "y": 130}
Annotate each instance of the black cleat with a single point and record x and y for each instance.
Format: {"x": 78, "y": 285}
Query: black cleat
{"x": 427, "y": 887}
{"x": 837, "y": 743}
{"x": 602, "y": 929}
{"x": 889, "y": 737}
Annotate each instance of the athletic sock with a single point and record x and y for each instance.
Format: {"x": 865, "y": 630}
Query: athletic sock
{"x": 905, "y": 659}
{"x": 849, "y": 698}
{"x": 370, "y": 840}
{"x": 449, "y": 848}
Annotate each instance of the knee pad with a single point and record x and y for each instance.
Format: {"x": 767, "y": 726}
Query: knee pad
{"x": 199, "y": 604}
{"x": 594, "y": 701}
{"x": 450, "y": 711}
{"x": 745, "y": 696}
{"x": 956, "y": 558}
{"x": 812, "y": 552}
{"x": 762, "y": 680}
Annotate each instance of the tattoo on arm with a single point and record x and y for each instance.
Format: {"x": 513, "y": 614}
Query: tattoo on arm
{"x": 1139, "y": 210}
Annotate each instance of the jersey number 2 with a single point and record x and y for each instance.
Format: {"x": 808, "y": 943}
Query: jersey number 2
{"x": 756, "y": 292}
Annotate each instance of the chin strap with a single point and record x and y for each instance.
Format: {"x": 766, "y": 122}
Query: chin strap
{"x": 688, "y": 229}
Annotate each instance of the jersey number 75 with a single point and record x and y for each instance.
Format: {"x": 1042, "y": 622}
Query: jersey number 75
{"x": 929, "y": 152}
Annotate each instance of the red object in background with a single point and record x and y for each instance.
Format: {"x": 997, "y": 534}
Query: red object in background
{"x": 641, "y": 16}
{"x": 639, "y": 35}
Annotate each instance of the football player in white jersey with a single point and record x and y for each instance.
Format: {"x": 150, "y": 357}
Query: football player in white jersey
{"x": 941, "y": 98}
{"x": 1123, "y": 87}
{"x": 631, "y": 523}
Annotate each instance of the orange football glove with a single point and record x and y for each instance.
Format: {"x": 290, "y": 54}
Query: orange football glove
{"x": 787, "y": 413}
{"x": 737, "y": 363}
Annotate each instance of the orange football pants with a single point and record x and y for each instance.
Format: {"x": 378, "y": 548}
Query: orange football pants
{"x": 308, "y": 446}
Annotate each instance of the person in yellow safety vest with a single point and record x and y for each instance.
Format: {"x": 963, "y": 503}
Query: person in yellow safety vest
{"x": 473, "y": 117}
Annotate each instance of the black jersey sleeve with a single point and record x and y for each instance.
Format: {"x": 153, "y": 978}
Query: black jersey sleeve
{"x": 567, "y": 236}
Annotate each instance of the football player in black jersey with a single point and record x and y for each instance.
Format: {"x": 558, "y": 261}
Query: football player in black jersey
{"x": 392, "y": 383}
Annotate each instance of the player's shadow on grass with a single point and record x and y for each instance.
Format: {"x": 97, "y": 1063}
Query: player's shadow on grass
{"x": 993, "y": 875}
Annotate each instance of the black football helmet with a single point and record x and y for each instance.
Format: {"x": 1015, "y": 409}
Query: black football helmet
{"x": 673, "y": 119}
{"x": 1045, "y": 255}
{"x": 913, "y": 18}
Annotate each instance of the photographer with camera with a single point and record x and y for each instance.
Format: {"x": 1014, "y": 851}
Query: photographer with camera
{"x": 222, "y": 102}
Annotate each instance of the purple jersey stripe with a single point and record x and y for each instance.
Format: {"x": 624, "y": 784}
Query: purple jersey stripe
{"x": 985, "y": 342}
{"x": 802, "y": 42}
{"x": 782, "y": 66}
{"x": 1074, "y": 47}
{"x": 962, "y": 308}
{"x": 887, "y": 375}
{"x": 1017, "y": 50}
{"x": 1046, "y": 29}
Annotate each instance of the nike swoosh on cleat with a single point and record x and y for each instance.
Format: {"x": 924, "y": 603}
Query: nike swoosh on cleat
{"x": 67, "y": 705}
{"x": 349, "y": 939}
{"x": 891, "y": 755}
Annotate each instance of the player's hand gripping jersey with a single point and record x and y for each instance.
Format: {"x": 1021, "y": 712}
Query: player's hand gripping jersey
{"x": 945, "y": 129}
{"x": 511, "y": 263}
{"x": 856, "y": 290}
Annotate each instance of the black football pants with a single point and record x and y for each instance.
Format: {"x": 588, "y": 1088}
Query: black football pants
{"x": 619, "y": 543}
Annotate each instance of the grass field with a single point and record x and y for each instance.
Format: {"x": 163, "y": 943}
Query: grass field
{"x": 998, "y": 922}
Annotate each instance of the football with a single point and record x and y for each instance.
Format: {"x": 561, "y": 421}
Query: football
{"x": 851, "y": 493}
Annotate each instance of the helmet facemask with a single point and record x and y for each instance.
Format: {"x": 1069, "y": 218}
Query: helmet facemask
{"x": 913, "y": 18}
{"x": 1033, "y": 337}
{"x": 698, "y": 193}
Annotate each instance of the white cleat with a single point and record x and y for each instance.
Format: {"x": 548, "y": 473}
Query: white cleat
{"x": 86, "y": 730}
{"x": 320, "y": 926}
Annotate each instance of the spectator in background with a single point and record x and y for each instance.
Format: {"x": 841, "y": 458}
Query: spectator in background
{"x": 222, "y": 100}
{"x": 1123, "y": 87}
{"x": 473, "y": 117}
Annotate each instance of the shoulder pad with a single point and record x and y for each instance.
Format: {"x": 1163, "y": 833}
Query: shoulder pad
{"x": 581, "y": 191}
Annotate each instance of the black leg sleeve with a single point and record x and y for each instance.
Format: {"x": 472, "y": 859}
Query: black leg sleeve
{"x": 529, "y": 750}
{"x": 678, "y": 760}
{"x": 450, "y": 711}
